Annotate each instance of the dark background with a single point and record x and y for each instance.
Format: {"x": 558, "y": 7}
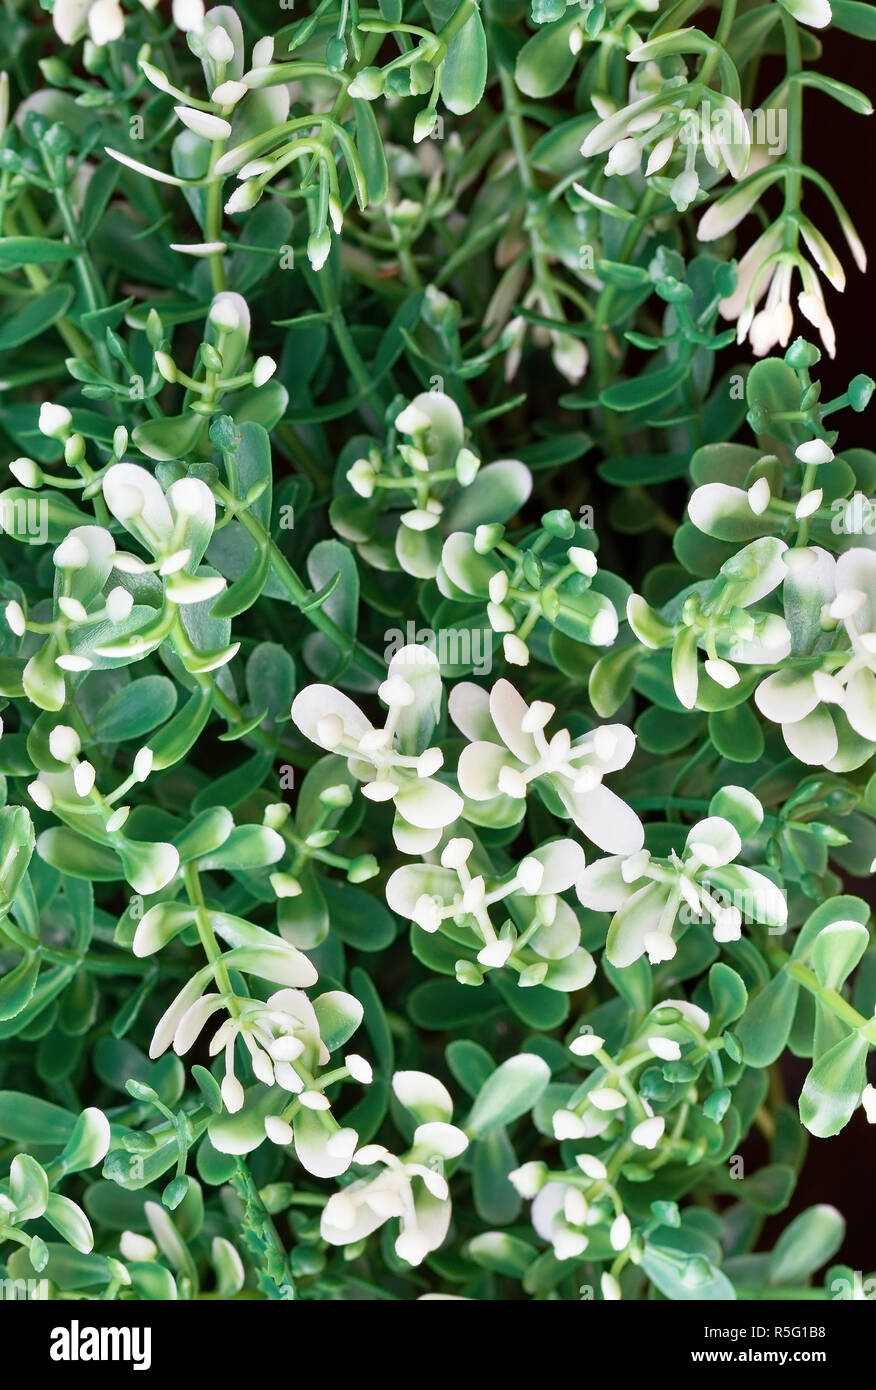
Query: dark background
{"x": 840, "y": 145}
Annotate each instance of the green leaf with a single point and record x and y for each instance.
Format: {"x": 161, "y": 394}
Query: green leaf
{"x": 76, "y": 855}
{"x": 359, "y": 918}
{"x": 765, "y": 1028}
{"x": 840, "y": 91}
{"x": 837, "y": 950}
{"x": 27, "y": 1120}
{"x": 832, "y": 1090}
{"x": 646, "y": 389}
{"x": 737, "y": 734}
{"x": 470, "y": 1064}
{"x": 546, "y": 61}
{"x": 740, "y": 807}
{"x": 339, "y": 1016}
{"x": 809, "y": 1242}
{"x": 136, "y": 709}
{"x": 465, "y": 67}
{"x": 729, "y": 995}
{"x": 496, "y": 1200}
{"x": 17, "y": 987}
{"x": 169, "y": 437}
{"x": 510, "y": 1092}
{"x": 370, "y": 146}
{"x": 36, "y": 317}
{"x": 16, "y": 251}
{"x": 855, "y": 18}
{"x": 501, "y": 1253}
{"x": 684, "y": 1277}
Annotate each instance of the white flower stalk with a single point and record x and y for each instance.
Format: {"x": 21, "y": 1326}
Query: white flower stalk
{"x": 661, "y": 120}
{"x": 539, "y": 941}
{"x": 175, "y": 529}
{"x": 653, "y": 899}
{"x": 810, "y": 700}
{"x": 719, "y": 620}
{"x": 423, "y": 479}
{"x": 390, "y": 762}
{"x": 411, "y": 1189}
{"x": 510, "y": 751}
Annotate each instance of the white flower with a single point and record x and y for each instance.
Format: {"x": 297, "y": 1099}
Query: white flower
{"x": 26, "y": 472}
{"x": 412, "y": 1189}
{"x": 505, "y": 756}
{"x": 802, "y": 701}
{"x": 379, "y": 758}
{"x": 646, "y": 904}
{"x": 430, "y": 895}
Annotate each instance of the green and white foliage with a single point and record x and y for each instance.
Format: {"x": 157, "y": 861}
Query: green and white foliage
{"x": 437, "y": 664}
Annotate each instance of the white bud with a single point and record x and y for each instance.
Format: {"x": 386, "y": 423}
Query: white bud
{"x": 278, "y": 1131}
{"x": 809, "y": 503}
{"x": 516, "y": 650}
{"x": 498, "y": 587}
{"x": 119, "y": 604}
{"x": 14, "y": 614}
{"x": 54, "y": 420}
{"x": 143, "y": 764}
{"x": 412, "y": 420}
{"x": 64, "y": 744}
{"x": 814, "y": 451}
{"x": 759, "y": 496}
{"x": 456, "y": 853}
{"x": 621, "y": 1232}
{"x": 592, "y": 1167}
{"x": 71, "y": 554}
{"x": 219, "y": 45}
{"x": 584, "y": 560}
{"x": 40, "y": 794}
{"x": 84, "y": 778}
{"x": 611, "y": 1289}
{"x": 649, "y": 1133}
{"x": 263, "y": 370}
{"x": 361, "y": 478}
{"x": 202, "y": 123}
{"x": 359, "y": 1069}
{"x": 26, "y": 472}
{"x": 314, "y": 1100}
